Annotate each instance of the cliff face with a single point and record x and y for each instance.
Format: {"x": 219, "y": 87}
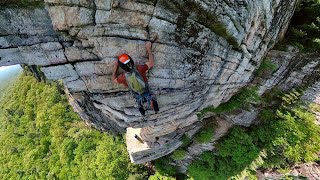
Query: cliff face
{"x": 292, "y": 70}
{"x": 204, "y": 53}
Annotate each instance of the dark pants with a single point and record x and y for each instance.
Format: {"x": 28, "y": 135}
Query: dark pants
{"x": 149, "y": 98}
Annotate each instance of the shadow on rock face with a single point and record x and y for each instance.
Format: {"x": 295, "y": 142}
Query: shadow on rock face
{"x": 197, "y": 54}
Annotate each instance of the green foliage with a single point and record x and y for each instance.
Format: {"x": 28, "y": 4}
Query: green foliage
{"x": 42, "y": 138}
{"x": 266, "y": 67}
{"x": 142, "y": 176}
{"x": 22, "y": 3}
{"x": 158, "y": 176}
{"x": 271, "y": 99}
{"x": 201, "y": 170}
{"x": 178, "y": 154}
{"x": 201, "y": 15}
{"x": 5, "y": 87}
{"x": 164, "y": 167}
{"x": 291, "y": 138}
{"x": 242, "y": 99}
{"x": 314, "y": 107}
{"x": 239, "y": 147}
{"x": 205, "y": 135}
{"x": 267, "y": 115}
{"x": 286, "y": 135}
{"x": 304, "y": 29}
{"x": 236, "y": 152}
{"x": 185, "y": 140}
{"x": 281, "y": 46}
{"x": 290, "y": 98}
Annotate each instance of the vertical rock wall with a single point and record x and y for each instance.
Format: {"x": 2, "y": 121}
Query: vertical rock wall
{"x": 204, "y": 52}
{"x": 294, "y": 70}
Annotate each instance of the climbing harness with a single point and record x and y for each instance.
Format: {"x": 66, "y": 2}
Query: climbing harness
{"x": 140, "y": 91}
{"x": 145, "y": 97}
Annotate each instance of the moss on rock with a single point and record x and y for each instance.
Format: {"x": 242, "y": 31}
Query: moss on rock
{"x": 200, "y": 15}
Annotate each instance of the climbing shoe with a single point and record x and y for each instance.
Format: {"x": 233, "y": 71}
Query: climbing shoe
{"x": 142, "y": 111}
{"x": 154, "y": 106}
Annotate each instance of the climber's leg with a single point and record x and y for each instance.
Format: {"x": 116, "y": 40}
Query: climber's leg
{"x": 154, "y": 105}
{"x": 142, "y": 111}
{"x": 139, "y": 101}
{"x": 140, "y": 105}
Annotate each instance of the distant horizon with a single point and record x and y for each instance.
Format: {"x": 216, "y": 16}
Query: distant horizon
{"x": 3, "y": 68}
{"x": 9, "y": 71}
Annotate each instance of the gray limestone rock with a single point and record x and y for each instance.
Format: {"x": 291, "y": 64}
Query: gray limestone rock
{"x": 65, "y": 17}
{"x": 82, "y": 3}
{"x": 243, "y": 118}
{"x": 102, "y": 16}
{"x": 103, "y": 4}
{"x": 77, "y": 54}
{"x": 204, "y": 52}
{"x": 292, "y": 71}
{"x": 312, "y": 98}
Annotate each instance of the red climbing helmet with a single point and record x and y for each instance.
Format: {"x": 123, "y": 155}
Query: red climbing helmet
{"x": 125, "y": 62}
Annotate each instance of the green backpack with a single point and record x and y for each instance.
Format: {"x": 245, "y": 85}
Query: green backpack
{"x": 135, "y": 82}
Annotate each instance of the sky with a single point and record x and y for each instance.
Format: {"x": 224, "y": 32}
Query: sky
{"x": 2, "y": 68}
{"x": 5, "y": 67}
{"x": 6, "y": 71}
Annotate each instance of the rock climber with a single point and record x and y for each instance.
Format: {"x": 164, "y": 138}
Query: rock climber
{"x": 136, "y": 80}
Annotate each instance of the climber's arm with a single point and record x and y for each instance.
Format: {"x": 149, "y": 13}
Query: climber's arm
{"x": 150, "y": 62}
{"x": 114, "y": 72}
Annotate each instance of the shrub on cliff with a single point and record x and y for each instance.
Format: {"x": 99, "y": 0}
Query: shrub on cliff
{"x": 242, "y": 99}
{"x": 178, "y": 154}
{"x": 21, "y": 3}
{"x": 292, "y": 137}
{"x": 238, "y": 146}
{"x": 304, "y": 29}
{"x": 42, "y": 138}
{"x": 205, "y": 135}
{"x": 266, "y": 67}
{"x": 236, "y": 151}
{"x": 186, "y": 141}
{"x": 164, "y": 167}
{"x": 158, "y": 176}
{"x": 286, "y": 135}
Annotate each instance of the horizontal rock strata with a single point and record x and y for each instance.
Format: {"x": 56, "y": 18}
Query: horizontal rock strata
{"x": 302, "y": 69}
{"x": 204, "y": 52}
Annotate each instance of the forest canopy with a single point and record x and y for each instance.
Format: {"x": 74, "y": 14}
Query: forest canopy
{"x": 42, "y": 138}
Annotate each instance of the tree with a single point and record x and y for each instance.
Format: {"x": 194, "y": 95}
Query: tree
{"x": 42, "y": 138}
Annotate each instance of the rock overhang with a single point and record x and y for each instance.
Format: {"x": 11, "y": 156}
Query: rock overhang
{"x": 200, "y": 59}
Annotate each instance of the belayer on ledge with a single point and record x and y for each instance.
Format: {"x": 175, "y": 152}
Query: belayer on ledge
{"x": 136, "y": 80}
